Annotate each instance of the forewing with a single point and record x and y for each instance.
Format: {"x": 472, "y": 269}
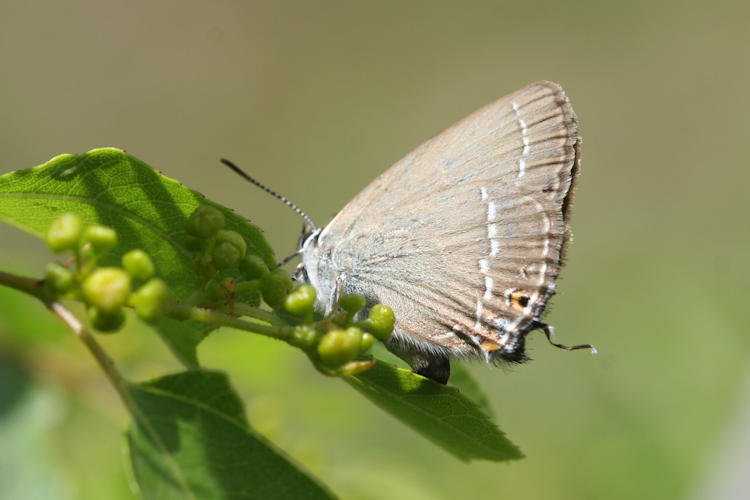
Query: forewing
{"x": 464, "y": 236}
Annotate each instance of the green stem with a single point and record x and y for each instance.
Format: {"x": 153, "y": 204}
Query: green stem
{"x": 36, "y": 288}
{"x": 78, "y": 259}
{"x": 31, "y": 286}
{"x": 257, "y": 313}
{"x": 195, "y": 298}
{"x": 96, "y": 350}
{"x": 182, "y": 312}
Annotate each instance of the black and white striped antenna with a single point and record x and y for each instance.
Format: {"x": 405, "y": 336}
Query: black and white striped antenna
{"x": 273, "y": 193}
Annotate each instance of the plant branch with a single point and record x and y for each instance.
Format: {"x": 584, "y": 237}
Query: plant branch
{"x": 31, "y": 286}
{"x": 96, "y": 350}
{"x": 182, "y": 312}
{"x": 257, "y": 313}
{"x": 35, "y": 288}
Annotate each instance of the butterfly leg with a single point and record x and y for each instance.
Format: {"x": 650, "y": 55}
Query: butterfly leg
{"x": 422, "y": 360}
{"x": 336, "y": 297}
{"x": 434, "y": 368}
{"x": 549, "y": 332}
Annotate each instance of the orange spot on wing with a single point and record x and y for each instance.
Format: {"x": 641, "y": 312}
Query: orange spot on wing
{"x": 489, "y": 346}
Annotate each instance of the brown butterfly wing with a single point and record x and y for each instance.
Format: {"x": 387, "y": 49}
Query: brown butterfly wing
{"x": 464, "y": 237}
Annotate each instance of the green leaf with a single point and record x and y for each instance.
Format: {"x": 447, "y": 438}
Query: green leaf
{"x": 190, "y": 439}
{"x": 148, "y": 210}
{"x": 182, "y": 337}
{"x": 440, "y": 413}
{"x": 462, "y": 380}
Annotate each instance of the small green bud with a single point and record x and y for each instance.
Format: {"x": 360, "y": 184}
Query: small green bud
{"x": 64, "y": 233}
{"x": 274, "y": 289}
{"x": 339, "y": 346}
{"x": 234, "y": 238}
{"x": 355, "y": 367}
{"x": 342, "y": 318}
{"x": 249, "y": 297}
{"x": 353, "y": 302}
{"x": 356, "y": 333}
{"x": 301, "y": 300}
{"x": 380, "y": 321}
{"x": 205, "y": 221}
{"x": 138, "y": 264}
{"x": 284, "y": 277}
{"x": 102, "y": 238}
{"x": 107, "y": 322}
{"x": 303, "y": 336}
{"x": 58, "y": 277}
{"x": 151, "y": 300}
{"x": 225, "y": 256}
{"x": 367, "y": 341}
{"x": 107, "y": 289}
{"x": 254, "y": 267}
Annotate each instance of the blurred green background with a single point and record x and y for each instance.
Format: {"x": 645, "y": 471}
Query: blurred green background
{"x": 316, "y": 99}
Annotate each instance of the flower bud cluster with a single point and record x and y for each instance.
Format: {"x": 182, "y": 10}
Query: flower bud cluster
{"x": 104, "y": 290}
{"x": 337, "y": 341}
{"x": 232, "y": 282}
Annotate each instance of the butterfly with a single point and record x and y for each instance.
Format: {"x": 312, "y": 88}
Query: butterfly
{"x": 464, "y": 237}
